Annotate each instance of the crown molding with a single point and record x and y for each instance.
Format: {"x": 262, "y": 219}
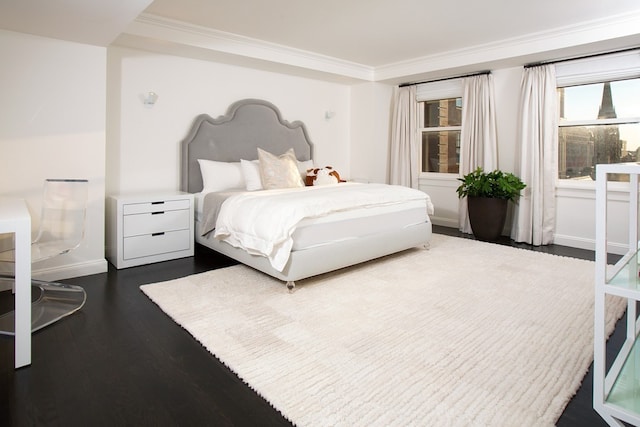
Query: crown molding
{"x": 162, "y": 29}
{"x": 608, "y": 33}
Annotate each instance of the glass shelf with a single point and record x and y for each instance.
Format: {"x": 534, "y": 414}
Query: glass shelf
{"x": 628, "y": 277}
{"x": 625, "y": 392}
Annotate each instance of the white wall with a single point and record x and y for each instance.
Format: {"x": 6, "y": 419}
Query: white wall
{"x": 143, "y": 143}
{"x": 52, "y": 125}
{"x": 370, "y": 131}
{"x": 507, "y": 91}
{"x": 575, "y": 221}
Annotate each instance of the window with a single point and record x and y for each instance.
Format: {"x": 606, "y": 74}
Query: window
{"x": 598, "y": 123}
{"x": 440, "y": 129}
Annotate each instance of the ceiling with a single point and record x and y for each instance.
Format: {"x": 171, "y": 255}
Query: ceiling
{"x": 374, "y": 40}
{"x": 381, "y": 32}
{"x": 83, "y": 21}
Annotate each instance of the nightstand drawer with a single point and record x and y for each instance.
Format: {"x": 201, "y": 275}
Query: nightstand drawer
{"x": 147, "y": 223}
{"x": 156, "y": 244}
{"x": 155, "y": 206}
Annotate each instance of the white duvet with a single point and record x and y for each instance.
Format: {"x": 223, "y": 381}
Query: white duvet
{"x": 262, "y": 222}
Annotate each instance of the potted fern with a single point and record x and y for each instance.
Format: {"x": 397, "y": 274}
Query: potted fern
{"x": 488, "y": 194}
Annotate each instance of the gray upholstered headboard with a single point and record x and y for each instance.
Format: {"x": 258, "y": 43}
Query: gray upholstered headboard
{"x": 247, "y": 125}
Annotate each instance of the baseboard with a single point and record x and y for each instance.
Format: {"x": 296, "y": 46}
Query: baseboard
{"x": 589, "y": 244}
{"x": 444, "y": 222}
{"x": 71, "y": 270}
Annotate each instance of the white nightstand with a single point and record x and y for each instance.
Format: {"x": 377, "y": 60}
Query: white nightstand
{"x": 149, "y": 227}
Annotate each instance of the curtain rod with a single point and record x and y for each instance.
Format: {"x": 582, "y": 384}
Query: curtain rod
{"x": 479, "y": 73}
{"x": 593, "y": 55}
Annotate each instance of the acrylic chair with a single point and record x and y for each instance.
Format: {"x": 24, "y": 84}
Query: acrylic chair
{"x": 61, "y": 229}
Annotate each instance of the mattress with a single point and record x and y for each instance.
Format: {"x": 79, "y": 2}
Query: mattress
{"x": 341, "y": 226}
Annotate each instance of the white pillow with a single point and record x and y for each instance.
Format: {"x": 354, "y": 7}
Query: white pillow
{"x": 251, "y": 174}
{"x": 220, "y": 176}
{"x": 279, "y": 171}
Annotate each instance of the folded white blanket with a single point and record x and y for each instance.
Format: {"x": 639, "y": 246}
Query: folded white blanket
{"x": 262, "y": 222}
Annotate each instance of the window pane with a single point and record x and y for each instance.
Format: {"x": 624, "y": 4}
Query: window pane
{"x": 441, "y": 151}
{"x": 443, "y": 112}
{"x": 594, "y": 101}
{"x": 580, "y": 148}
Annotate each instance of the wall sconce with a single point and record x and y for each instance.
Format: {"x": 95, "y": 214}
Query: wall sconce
{"x": 150, "y": 99}
{"x": 328, "y": 115}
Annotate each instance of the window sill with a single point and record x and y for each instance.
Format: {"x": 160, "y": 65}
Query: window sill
{"x": 439, "y": 176}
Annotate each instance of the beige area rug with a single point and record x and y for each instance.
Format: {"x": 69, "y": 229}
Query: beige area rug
{"x": 464, "y": 333}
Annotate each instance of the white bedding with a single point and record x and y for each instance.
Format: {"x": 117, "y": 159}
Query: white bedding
{"x": 341, "y": 226}
{"x": 264, "y": 222}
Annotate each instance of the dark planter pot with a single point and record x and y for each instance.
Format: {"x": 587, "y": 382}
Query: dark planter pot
{"x": 487, "y": 216}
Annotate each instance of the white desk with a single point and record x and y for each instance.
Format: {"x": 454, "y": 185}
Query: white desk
{"x": 15, "y": 218}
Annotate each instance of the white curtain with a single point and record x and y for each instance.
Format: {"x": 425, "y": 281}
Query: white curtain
{"x": 478, "y": 137}
{"x": 537, "y": 162}
{"x": 403, "y": 157}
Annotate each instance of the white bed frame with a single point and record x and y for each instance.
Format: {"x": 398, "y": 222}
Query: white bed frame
{"x": 253, "y": 123}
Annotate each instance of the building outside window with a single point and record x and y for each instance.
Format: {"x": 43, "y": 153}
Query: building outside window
{"x": 599, "y": 123}
{"x": 441, "y": 125}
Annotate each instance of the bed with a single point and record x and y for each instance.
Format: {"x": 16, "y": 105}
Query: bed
{"x": 318, "y": 244}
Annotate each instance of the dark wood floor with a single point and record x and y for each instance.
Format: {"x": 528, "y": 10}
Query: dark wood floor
{"x": 122, "y": 361}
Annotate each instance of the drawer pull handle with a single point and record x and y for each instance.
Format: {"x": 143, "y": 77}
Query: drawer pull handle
{"x": 158, "y": 234}
{"x": 157, "y": 213}
{"x": 158, "y": 203}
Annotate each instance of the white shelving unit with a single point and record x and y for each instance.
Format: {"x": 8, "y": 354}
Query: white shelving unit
{"x": 147, "y": 228}
{"x": 616, "y": 392}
